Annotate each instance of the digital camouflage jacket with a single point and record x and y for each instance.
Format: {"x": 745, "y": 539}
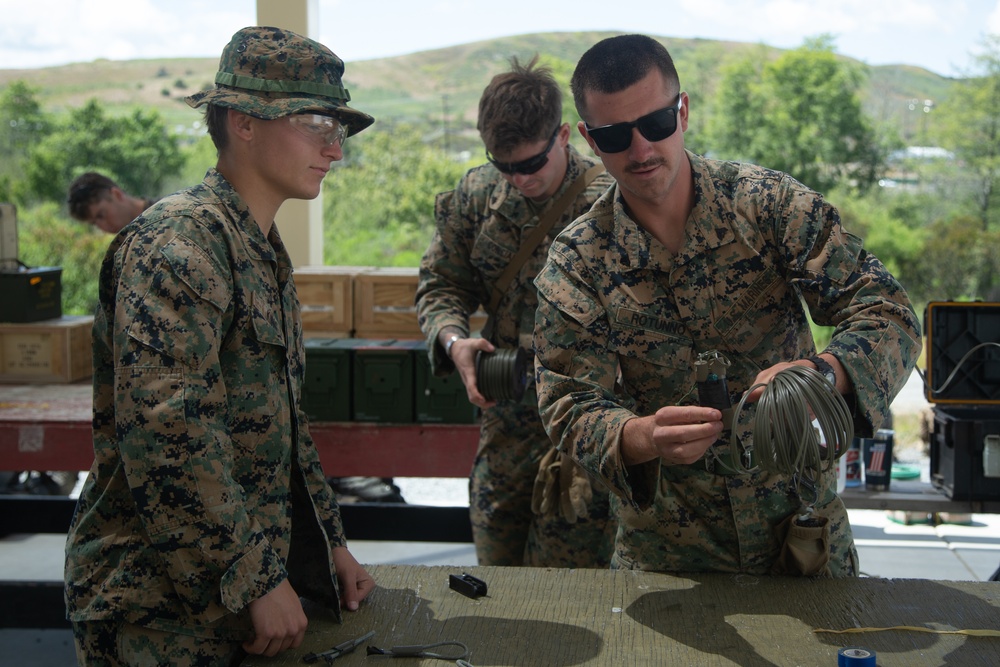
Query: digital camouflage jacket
{"x": 475, "y": 239}
{"x": 206, "y": 489}
{"x": 621, "y": 321}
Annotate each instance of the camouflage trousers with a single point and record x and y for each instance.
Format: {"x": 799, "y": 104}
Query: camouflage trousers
{"x": 119, "y": 644}
{"x": 505, "y": 530}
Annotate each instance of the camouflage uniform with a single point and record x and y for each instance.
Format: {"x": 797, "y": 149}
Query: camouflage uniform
{"x": 472, "y": 246}
{"x": 621, "y": 321}
{"x": 202, "y": 456}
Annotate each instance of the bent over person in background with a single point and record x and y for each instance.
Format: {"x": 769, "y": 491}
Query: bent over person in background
{"x": 96, "y": 199}
{"x": 206, "y": 514}
{"x": 687, "y": 255}
{"x": 534, "y": 177}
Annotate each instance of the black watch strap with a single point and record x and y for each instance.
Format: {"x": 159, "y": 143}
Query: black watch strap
{"x": 825, "y": 369}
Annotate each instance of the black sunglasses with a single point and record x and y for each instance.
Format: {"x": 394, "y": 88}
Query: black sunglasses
{"x": 529, "y": 166}
{"x": 655, "y": 126}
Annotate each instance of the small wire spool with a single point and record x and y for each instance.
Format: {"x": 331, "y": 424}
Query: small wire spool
{"x": 855, "y": 656}
{"x": 502, "y": 375}
{"x": 783, "y": 438}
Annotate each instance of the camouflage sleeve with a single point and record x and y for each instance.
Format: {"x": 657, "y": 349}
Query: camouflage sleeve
{"x": 576, "y": 379}
{"x": 877, "y": 333}
{"x": 171, "y": 407}
{"x": 446, "y": 292}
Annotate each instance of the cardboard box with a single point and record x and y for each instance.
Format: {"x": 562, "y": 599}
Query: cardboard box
{"x": 327, "y": 297}
{"x": 53, "y": 351}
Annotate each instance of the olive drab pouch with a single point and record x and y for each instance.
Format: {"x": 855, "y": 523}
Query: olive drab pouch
{"x": 805, "y": 546}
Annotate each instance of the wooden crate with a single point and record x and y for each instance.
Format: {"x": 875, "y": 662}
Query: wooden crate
{"x": 384, "y": 303}
{"x": 326, "y": 294}
{"x": 57, "y": 350}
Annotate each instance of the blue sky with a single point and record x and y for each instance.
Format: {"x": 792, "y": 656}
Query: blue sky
{"x": 939, "y": 35}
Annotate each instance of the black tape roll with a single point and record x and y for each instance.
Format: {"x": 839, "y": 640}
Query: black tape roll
{"x": 502, "y": 375}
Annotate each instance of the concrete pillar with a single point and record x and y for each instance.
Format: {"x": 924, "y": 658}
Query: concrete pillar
{"x": 300, "y": 221}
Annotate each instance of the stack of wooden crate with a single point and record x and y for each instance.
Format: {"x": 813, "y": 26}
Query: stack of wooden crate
{"x": 361, "y": 302}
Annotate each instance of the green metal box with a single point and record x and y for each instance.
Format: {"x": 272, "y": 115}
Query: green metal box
{"x": 31, "y": 295}
{"x": 326, "y": 391}
{"x": 440, "y": 400}
{"x": 383, "y": 380}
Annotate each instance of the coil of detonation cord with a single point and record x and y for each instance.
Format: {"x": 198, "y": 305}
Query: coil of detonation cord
{"x": 855, "y": 656}
{"x": 783, "y": 439}
{"x": 502, "y": 375}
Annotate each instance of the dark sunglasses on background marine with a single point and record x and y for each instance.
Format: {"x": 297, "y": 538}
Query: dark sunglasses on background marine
{"x": 529, "y": 166}
{"x": 655, "y": 126}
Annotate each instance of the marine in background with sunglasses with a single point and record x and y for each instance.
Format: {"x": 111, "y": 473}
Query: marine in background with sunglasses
{"x": 687, "y": 255}
{"x": 206, "y": 514}
{"x": 480, "y": 227}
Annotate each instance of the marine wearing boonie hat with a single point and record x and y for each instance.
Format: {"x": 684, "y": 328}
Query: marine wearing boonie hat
{"x": 269, "y": 72}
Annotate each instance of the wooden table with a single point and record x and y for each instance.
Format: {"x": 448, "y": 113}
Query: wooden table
{"x": 539, "y": 616}
{"x": 47, "y": 427}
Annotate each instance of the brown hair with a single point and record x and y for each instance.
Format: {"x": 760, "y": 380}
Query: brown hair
{"x": 520, "y": 106}
{"x": 615, "y": 63}
{"x": 86, "y": 190}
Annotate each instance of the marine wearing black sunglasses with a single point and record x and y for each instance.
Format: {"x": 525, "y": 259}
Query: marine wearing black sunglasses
{"x": 528, "y": 166}
{"x": 655, "y": 126}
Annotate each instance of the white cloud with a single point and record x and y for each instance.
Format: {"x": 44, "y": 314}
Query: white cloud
{"x": 36, "y": 33}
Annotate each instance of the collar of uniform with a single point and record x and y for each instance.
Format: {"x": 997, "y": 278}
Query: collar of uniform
{"x": 256, "y": 244}
{"x": 707, "y": 227}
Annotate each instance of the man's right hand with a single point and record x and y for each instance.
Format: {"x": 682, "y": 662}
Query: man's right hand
{"x": 675, "y": 434}
{"x": 463, "y": 355}
{"x": 279, "y": 622}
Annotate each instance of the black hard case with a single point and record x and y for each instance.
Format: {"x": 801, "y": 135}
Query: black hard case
{"x": 963, "y": 383}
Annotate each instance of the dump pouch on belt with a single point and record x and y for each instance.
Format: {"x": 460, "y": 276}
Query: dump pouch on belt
{"x": 805, "y": 546}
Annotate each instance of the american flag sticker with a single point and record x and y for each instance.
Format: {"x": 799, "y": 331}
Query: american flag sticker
{"x": 877, "y": 463}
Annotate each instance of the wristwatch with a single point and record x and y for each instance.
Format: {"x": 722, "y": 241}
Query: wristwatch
{"x": 825, "y": 369}
{"x": 448, "y": 343}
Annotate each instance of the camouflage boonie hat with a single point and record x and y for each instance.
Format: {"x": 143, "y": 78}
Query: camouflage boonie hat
{"x": 270, "y": 72}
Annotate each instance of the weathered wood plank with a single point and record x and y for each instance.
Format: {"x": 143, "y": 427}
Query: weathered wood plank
{"x": 536, "y": 616}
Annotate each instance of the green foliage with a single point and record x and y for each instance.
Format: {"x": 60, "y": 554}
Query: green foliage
{"x": 971, "y": 128}
{"x": 959, "y": 262}
{"x": 379, "y": 202}
{"x": 23, "y": 123}
{"x": 134, "y": 150}
{"x": 886, "y": 225}
{"x": 48, "y": 238}
{"x": 799, "y": 113}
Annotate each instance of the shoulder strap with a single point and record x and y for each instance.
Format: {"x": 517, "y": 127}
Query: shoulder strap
{"x": 544, "y": 225}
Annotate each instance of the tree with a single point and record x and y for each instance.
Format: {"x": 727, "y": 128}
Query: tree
{"x": 799, "y": 113}
{"x": 23, "y": 123}
{"x": 379, "y": 202}
{"x": 970, "y": 127}
{"x": 135, "y": 150}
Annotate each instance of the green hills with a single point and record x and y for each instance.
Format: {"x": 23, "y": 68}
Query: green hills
{"x": 439, "y": 89}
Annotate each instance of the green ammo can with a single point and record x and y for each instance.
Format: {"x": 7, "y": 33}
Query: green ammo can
{"x": 440, "y": 400}
{"x": 326, "y": 391}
